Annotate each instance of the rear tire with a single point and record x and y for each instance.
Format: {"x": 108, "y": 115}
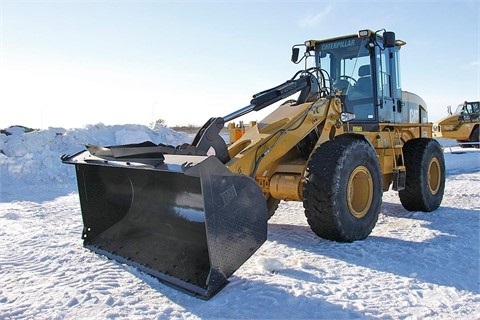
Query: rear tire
{"x": 474, "y": 137}
{"x": 342, "y": 192}
{"x": 425, "y": 175}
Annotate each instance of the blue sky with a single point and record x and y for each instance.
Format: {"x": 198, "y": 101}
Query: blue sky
{"x": 72, "y": 63}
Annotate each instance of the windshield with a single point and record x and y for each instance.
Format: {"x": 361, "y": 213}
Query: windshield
{"x": 347, "y": 61}
{"x": 459, "y": 109}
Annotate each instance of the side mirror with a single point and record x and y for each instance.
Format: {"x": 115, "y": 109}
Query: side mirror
{"x": 389, "y": 39}
{"x": 295, "y": 52}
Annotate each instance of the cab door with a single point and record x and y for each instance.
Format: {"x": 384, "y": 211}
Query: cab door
{"x": 389, "y": 98}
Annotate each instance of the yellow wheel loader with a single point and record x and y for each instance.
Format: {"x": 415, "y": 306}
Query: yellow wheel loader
{"x": 462, "y": 126}
{"x": 192, "y": 214}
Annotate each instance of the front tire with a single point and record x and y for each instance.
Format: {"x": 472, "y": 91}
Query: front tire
{"x": 342, "y": 192}
{"x": 425, "y": 175}
{"x": 272, "y": 206}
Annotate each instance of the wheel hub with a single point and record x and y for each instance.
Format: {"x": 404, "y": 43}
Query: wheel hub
{"x": 434, "y": 176}
{"x": 360, "y": 191}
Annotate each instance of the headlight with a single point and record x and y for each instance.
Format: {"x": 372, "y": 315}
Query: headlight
{"x": 364, "y": 33}
{"x": 346, "y": 116}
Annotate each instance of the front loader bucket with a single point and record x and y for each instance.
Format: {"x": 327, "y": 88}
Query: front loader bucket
{"x": 186, "y": 220}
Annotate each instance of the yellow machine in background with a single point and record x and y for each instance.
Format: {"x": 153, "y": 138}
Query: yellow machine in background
{"x": 462, "y": 126}
{"x": 191, "y": 219}
{"x": 236, "y": 130}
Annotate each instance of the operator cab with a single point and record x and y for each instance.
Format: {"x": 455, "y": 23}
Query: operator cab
{"x": 363, "y": 70}
{"x": 468, "y": 110}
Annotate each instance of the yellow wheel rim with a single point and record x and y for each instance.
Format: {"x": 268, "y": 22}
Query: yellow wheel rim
{"x": 360, "y": 191}
{"x": 434, "y": 176}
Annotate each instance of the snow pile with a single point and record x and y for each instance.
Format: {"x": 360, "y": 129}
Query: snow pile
{"x": 34, "y": 157}
{"x": 414, "y": 265}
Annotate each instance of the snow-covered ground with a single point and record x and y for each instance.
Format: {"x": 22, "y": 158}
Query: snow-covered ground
{"x": 414, "y": 265}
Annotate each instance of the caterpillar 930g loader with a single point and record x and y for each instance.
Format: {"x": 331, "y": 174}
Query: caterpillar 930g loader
{"x": 191, "y": 219}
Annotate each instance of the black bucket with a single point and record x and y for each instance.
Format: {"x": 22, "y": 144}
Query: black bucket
{"x": 186, "y": 220}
